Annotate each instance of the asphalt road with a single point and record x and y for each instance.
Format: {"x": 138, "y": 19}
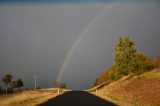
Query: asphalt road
{"x": 77, "y": 98}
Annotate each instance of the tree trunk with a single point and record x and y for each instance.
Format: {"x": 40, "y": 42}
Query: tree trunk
{"x": 6, "y": 90}
{"x": 14, "y": 89}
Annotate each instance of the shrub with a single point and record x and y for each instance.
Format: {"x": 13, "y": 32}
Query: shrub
{"x": 140, "y": 63}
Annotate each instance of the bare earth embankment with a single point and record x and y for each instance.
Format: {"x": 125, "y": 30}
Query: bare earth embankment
{"x": 28, "y": 98}
{"x": 142, "y": 90}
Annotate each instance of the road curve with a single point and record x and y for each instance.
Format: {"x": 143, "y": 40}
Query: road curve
{"x": 77, "y": 98}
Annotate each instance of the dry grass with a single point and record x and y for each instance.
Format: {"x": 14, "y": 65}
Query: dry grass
{"x": 28, "y": 98}
{"x": 143, "y": 90}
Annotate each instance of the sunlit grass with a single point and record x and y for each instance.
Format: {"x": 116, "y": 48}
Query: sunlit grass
{"x": 142, "y": 90}
{"x": 28, "y": 98}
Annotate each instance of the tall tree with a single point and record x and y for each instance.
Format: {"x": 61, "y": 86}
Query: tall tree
{"x": 7, "y": 80}
{"x": 127, "y": 60}
{"x": 124, "y": 50}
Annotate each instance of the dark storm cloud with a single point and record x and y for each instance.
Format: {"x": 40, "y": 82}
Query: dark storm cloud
{"x": 34, "y": 39}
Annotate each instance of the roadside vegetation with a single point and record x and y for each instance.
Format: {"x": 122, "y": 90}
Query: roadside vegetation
{"x": 28, "y": 97}
{"x": 12, "y": 94}
{"x": 127, "y": 61}
{"x": 133, "y": 79}
{"x": 9, "y": 83}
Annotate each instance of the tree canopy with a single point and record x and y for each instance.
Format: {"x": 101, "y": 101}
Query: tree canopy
{"x": 7, "y": 79}
{"x": 17, "y": 83}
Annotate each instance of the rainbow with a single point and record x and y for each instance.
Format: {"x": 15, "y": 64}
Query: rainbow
{"x": 79, "y": 38}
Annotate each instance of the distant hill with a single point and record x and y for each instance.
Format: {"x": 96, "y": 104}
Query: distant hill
{"x": 141, "y": 90}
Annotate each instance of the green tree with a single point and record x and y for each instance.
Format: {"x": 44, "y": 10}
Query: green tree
{"x": 140, "y": 63}
{"x": 14, "y": 85}
{"x": 7, "y": 80}
{"x": 17, "y": 84}
{"x": 127, "y": 60}
{"x": 124, "y": 50}
{"x": 20, "y": 83}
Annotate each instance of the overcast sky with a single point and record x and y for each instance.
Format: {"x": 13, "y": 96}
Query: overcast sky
{"x": 36, "y": 37}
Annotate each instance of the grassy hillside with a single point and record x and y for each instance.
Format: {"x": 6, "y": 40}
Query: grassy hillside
{"x": 142, "y": 90}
